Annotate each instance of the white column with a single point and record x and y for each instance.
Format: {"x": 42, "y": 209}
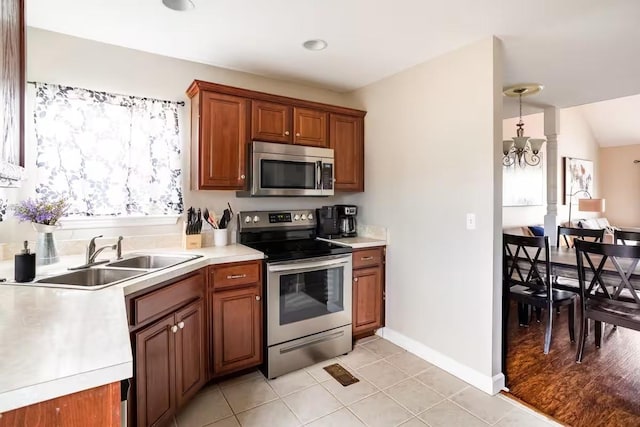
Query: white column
{"x": 551, "y": 131}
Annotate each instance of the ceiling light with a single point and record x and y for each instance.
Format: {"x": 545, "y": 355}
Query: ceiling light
{"x": 180, "y": 5}
{"x": 522, "y": 150}
{"x": 315, "y": 44}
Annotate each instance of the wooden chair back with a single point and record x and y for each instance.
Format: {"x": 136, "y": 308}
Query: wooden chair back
{"x": 619, "y": 285}
{"x": 522, "y": 264}
{"x": 621, "y": 236}
{"x": 578, "y": 234}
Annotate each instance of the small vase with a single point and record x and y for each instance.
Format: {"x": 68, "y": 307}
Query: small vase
{"x": 46, "y": 252}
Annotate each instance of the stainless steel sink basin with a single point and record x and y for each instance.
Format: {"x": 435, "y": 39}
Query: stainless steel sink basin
{"x": 93, "y": 277}
{"x": 152, "y": 262}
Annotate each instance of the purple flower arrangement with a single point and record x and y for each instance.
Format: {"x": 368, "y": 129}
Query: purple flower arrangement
{"x": 41, "y": 211}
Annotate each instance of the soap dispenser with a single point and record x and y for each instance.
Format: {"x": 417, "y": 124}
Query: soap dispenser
{"x": 25, "y": 265}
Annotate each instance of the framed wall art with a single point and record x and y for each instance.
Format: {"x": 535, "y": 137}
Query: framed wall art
{"x": 578, "y": 178}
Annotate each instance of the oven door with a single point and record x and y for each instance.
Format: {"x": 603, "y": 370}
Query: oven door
{"x": 291, "y": 175}
{"x": 307, "y": 296}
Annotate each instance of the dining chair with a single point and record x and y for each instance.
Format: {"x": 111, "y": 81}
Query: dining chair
{"x": 596, "y": 235}
{"x": 600, "y": 301}
{"x": 622, "y": 237}
{"x": 527, "y": 280}
{"x": 568, "y": 283}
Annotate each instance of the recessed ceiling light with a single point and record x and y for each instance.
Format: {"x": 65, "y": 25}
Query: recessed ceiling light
{"x": 180, "y": 5}
{"x": 315, "y": 44}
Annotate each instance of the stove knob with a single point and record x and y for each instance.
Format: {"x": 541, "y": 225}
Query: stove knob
{"x": 296, "y": 217}
{"x": 310, "y": 216}
{"x": 303, "y": 217}
{"x": 256, "y": 218}
{"x": 247, "y": 219}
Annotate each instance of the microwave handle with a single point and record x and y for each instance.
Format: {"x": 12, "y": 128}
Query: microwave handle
{"x": 319, "y": 175}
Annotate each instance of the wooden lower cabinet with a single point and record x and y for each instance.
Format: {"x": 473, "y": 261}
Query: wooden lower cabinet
{"x": 368, "y": 292}
{"x": 235, "y": 316}
{"x": 191, "y": 352}
{"x": 155, "y": 373}
{"x": 96, "y": 407}
{"x": 237, "y": 329}
{"x": 170, "y": 364}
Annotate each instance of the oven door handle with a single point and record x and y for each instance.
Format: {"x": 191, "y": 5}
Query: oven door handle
{"x": 308, "y": 265}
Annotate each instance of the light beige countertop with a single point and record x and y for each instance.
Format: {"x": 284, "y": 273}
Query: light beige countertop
{"x": 54, "y": 341}
{"x": 358, "y": 242}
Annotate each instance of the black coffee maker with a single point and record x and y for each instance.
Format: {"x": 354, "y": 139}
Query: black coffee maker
{"x": 347, "y": 220}
{"x": 328, "y": 222}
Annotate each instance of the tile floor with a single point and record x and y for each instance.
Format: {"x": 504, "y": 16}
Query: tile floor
{"x": 396, "y": 388}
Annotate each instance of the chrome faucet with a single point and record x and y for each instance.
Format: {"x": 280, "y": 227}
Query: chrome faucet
{"x": 92, "y": 252}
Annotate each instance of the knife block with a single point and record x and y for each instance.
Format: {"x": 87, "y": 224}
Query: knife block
{"x": 191, "y": 241}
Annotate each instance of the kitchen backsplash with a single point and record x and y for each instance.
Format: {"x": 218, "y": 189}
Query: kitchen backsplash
{"x": 170, "y": 241}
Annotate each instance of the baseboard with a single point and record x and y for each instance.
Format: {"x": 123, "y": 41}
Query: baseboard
{"x": 490, "y": 385}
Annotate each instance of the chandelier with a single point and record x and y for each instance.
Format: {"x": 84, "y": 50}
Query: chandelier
{"x": 522, "y": 150}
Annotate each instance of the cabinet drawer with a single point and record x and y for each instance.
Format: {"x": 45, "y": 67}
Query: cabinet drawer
{"x": 170, "y": 297}
{"x": 367, "y": 257}
{"x": 237, "y": 274}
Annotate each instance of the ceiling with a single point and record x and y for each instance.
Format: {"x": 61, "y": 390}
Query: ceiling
{"x": 614, "y": 122}
{"x": 581, "y": 50}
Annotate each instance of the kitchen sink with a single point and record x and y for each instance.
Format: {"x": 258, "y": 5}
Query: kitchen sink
{"x": 152, "y": 262}
{"x": 93, "y": 277}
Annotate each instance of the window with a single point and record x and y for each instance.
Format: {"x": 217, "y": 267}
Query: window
{"x": 108, "y": 154}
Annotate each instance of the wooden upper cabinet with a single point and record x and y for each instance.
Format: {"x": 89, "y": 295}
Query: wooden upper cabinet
{"x": 310, "y": 127}
{"x": 346, "y": 136}
{"x": 221, "y": 156}
{"x": 191, "y": 351}
{"x": 271, "y": 122}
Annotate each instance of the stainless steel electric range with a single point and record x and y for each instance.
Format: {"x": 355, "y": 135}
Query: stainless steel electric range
{"x": 308, "y": 288}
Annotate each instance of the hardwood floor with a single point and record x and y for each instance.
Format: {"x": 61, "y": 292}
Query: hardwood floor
{"x": 602, "y": 391}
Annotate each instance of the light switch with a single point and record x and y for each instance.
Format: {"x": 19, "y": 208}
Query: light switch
{"x": 471, "y": 221}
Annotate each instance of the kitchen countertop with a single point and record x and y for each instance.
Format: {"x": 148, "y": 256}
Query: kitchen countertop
{"x": 55, "y": 342}
{"x": 358, "y": 242}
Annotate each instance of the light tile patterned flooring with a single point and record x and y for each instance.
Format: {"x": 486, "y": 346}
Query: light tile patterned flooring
{"x": 396, "y": 388}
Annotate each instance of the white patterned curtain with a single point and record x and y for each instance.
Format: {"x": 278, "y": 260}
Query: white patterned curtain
{"x": 108, "y": 154}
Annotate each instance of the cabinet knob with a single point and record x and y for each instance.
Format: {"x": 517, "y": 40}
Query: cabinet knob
{"x": 297, "y": 133}
{"x": 241, "y": 176}
{"x": 355, "y": 279}
{"x": 181, "y": 325}
{"x": 286, "y": 132}
{"x": 257, "y": 297}
{"x": 174, "y": 329}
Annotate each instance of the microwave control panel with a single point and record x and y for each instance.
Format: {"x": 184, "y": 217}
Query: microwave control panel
{"x": 327, "y": 176}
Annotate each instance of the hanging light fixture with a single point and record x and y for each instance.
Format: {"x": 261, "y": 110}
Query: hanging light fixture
{"x": 522, "y": 150}
{"x": 180, "y": 5}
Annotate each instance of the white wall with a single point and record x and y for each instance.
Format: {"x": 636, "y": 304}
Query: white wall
{"x": 432, "y": 156}
{"x": 61, "y": 59}
{"x": 576, "y": 140}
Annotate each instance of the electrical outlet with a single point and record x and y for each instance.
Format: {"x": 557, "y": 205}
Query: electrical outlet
{"x": 471, "y": 221}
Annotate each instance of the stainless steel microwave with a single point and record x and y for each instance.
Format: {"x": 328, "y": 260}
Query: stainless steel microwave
{"x": 289, "y": 170}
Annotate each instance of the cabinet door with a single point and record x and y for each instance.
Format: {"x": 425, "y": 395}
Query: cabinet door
{"x": 367, "y": 299}
{"x": 223, "y": 142}
{"x": 346, "y": 136}
{"x": 237, "y": 329}
{"x": 310, "y": 127}
{"x": 155, "y": 373}
{"x": 191, "y": 352}
{"x": 270, "y": 122}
